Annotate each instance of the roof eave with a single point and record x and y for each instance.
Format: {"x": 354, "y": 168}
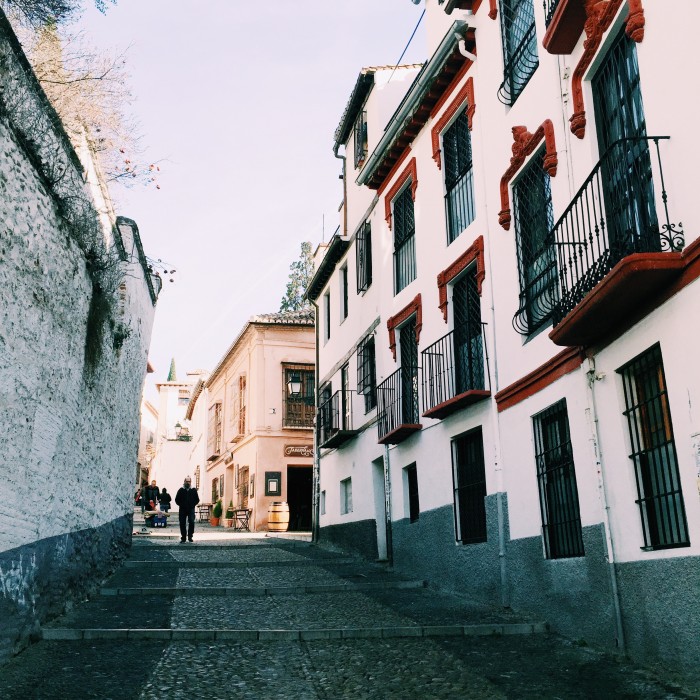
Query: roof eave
{"x": 336, "y": 249}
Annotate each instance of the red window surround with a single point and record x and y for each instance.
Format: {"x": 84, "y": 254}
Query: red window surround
{"x": 472, "y": 5}
{"x": 466, "y": 94}
{"x": 415, "y": 307}
{"x": 600, "y": 15}
{"x": 524, "y": 144}
{"x": 474, "y": 252}
{"x": 411, "y": 172}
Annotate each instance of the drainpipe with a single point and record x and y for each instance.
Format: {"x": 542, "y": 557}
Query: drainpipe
{"x": 592, "y": 414}
{"x": 315, "y": 498}
{"x": 387, "y": 508}
{"x": 336, "y": 146}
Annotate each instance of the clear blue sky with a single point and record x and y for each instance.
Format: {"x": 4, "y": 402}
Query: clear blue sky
{"x": 240, "y": 100}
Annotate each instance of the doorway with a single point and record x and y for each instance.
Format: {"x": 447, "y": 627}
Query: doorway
{"x": 299, "y": 497}
{"x": 380, "y": 508}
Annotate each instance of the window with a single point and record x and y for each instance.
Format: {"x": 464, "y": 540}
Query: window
{"x": 343, "y": 293}
{"x": 214, "y": 490}
{"x": 345, "y": 496}
{"x": 537, "y": 267}
{"x": 363, "y": 251}
{"x": 520, "y": 58}
{"x": 183, "y": 397}
{"x": 556, "y": 478}
{"x": 411, "y": 486}
{"x": 367, "y": 372}
{"x": 660, "y": 501}
{"x": 404, "y": 240}
{"x": 214, "y": 431}
{"x": 360, "y": 134}
{"x": 242, "y": 382}
{"x": 323, "y": 502}
{"x": 221, "y": 486}
{"x": 327, "y": 317}
{"x": 459, "y": 179}
{"x": 299, "y": 407}
{"x": 469, "y": 482}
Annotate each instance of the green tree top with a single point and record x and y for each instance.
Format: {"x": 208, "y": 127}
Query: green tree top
{"x": 300, "y": 273}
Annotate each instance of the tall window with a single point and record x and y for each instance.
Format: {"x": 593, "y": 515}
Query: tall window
{"x": 532, "y": 202}
{"x": 469, "y": 481}
{"x": 411, "y": 485}
{"x": 459, "y": 179}
{"x": 360, "y": 134}
{"x": 404, "y": 240}
{"x": 183, "y": 397}
{"x": 327, "y": 316}
{"x": 660, "y": 501}
{"x": 556, "y": 477}
{"x": 343, "y": 293}
{"x": 241, "y": 404}
{"x": 363, "y": 251}
{"x": 346, "y": 496}
{"x": 298, "y": 406}
{"x": 214, "y": 431}
{"x": 367, "y": 372}
{"x": 520, "y": 59}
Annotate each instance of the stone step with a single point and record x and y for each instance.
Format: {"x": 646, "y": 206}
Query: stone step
{"x": 174, "y": 564}
{"x": 290, "y": 635}
{"x": 226, "y": 544}
{"x": 255, "y": 592}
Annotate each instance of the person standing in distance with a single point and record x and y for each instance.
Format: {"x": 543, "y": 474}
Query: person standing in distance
{"x": 186, "y": 498}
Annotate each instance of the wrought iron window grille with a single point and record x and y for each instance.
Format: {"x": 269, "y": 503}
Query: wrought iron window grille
{"x": 550, "y": 7}
{"x": 469, "y": 482}
{"x": 459, "y": 178}
{"x": 360, "y": 139}
{"x": 556, "y": 478}
{"x": 520, "y": 58}
{"x": 335, "y": 414}
{"x": 299, "y": 410}
{"x": 367, "y": 372}
{"x": 532, "y": 206}
{"x": 404, "y": 240}
{"x": 653, "y": 452}
{"x": 363, "y": 248}
{"x": 397, "y": 400}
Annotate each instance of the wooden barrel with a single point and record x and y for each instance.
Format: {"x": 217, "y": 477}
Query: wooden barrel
{"x": 278, "y": 517}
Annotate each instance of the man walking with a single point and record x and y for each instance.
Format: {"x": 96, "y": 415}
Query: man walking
{"x": 187, "y": 498}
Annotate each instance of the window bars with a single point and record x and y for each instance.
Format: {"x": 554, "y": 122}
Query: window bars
{"x": 660, "y": 501}
{"x": 367, "y": 372}
{"x": 556, "y": 478}
{"x": 532, "y": 204}
{"x": 520, "y": 59}
{"x": 469, "y": 481}
{"x": 404, "y": 240}
{"x": 550, "y": 7}
{"x": 363, "y": 251}
{"x": 299, "y": 409}
{"x": 459, "y": 178}
{"x": 360, "y": 138}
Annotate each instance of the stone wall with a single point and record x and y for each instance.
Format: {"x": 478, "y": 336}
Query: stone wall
{"x": 69, "y": 388}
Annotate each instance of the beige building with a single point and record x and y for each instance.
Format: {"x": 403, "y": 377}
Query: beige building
{"x": 260, "y": 417}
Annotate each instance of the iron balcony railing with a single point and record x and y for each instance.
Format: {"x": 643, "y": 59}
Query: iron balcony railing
{"x": 613, "y": 215}
{"x": 454, "y": 365}
{"x": 550, "y": 7}
{"x": 459, "y": 205}
{"x": 519, "y": 68}
{"x": 336, "y": 417}
{"x": 397, "y": 400}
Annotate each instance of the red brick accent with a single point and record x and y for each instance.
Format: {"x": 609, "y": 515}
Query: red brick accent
{"x": 415, "y": 307}
{"x": 410, "y": 172}
{"x": 524, "y": 143}
{"x": 465, "y": 94}
{"x": 474, "y": 252}
{"x": 395, "y": 169}
{"x": 546, "y": 374}
{"x": 600, "y": 14}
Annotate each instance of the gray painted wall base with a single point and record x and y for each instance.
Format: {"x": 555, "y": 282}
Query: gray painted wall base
{"x": 359, "y": 536}
{"x": 38, "y": 580}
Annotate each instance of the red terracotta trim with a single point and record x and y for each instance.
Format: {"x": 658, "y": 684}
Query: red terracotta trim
{"x": 415, "y": 307}
{"x": 465, "y": 94}
{"x": 395, "y": 169}
{"x": 524, "y": 143}
{"x": 411, "y": 172}
{"x": 459, "y": 77}
{"x": 546, "y": 374}
{"x": 493, "y": 11}
{"x": 600, "y": 14}
{"x": 474, "y": 252}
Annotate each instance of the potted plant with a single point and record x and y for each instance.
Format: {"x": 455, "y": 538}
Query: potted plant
{"x": 229, "y": 514}
{"x": 216, "y": 514}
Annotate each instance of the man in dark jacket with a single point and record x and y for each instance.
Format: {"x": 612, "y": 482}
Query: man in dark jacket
{"x": 152, "y": 495}
{"x": 187, "y": 498}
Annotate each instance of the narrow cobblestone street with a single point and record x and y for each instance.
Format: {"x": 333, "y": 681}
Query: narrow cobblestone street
{"x": 249, "y": 616}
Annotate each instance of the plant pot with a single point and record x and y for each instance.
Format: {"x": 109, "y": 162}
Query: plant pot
{"x": 214, "y": 522}
{"x": 229, "y": 522}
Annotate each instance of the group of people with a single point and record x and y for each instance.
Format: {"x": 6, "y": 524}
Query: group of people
{"x": 187, "y": 498}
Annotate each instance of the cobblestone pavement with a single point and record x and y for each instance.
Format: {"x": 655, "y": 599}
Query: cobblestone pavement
{"x": 382, "y": 636}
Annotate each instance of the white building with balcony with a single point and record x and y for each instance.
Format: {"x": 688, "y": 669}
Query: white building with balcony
{"x": 506, "y": 319}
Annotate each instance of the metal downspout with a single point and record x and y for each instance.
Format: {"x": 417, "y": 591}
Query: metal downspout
{"x": 345, "y": 190}
{"x": 591, "y": 412}
{"x": 387, "y": 508}
{"x": 316, "y": 500}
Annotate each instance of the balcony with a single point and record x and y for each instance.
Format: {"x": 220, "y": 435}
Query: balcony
{"x": 299, "y": 412}
{"x": 455, "y": 371}
{"x": 564, "y": 20}
{"x": 397, "y": 406}
{"x": 335, "y": 419}
{"x": 612, "y": 255}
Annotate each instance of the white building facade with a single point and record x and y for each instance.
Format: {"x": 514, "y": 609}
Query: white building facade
{"x": 507, "y": 392}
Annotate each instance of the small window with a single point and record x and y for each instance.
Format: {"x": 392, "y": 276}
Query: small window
{"x": 459, "y": 178}
{"x": 323, "y": 502}
{"x": 363, "y": 252}
{"x": 404, "y": 240}
{"x": 360, "y": 134}
{"x": 411, "y": 485}
{"x": 367, "y": 372}
{"x": 327, "y": 316}
{"x": 214, "y": 490}
{"x": 343, "y": 293}
{"x": 346, "y": 496}
{"x": 469, "y": 480}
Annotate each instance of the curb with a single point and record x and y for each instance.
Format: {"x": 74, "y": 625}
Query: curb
{"x": 140, "y": 564}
